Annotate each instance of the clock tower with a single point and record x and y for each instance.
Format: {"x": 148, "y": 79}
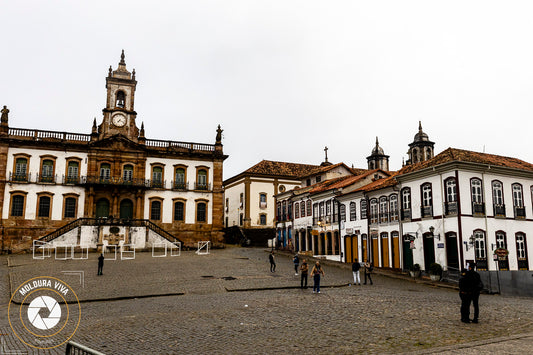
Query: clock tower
{"x": 119, "y": 113}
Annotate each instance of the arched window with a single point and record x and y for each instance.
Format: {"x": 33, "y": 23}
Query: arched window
{"x": 296, "y": 210}
{"x": 201, "y": 212}
{"x": 518, "y": 201}
{"x": 44, "y": 207}
{"x": 427, "y": 200}
{"x": 363, "y": 209}
{"x": 383, "y": 210}
{"x": 343, "y": 212}
{"x": 497, "y": 199}
{"x": 201, "y": 181}
{"x": 21, "y": 169}
{"x": 70, "y": 207}
{"x": 120, "y": 99}
{"x": 47, "y": 171}
{"x": 450, "y": 186}
{"x": 179, "y": 179}
{"x": 17, "y": 205}
{"x": 476, "y": 188}
{"x": 105, "y": 171}
{"x": 302, "y": 208}
{"x": 521, "y": 251}
{"x": 155, "y": 210}
{"x": 480, "y": 249}
{"x": 179, "y": 211}
{"x": 353, "y": 212}
{"x": 127, "y": 173}
{"x": 406, "y": 203}
{"x": 157, "y": 176}
{"x": 373, "y": 211}
{"x": 73, "y": 169}
{"x": 309, "y": 207}
{"x": 393, "y": 202}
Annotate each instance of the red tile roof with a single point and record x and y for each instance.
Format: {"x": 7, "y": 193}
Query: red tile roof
{"x": 276, "y": 169}
{"x": 342, "y": 181}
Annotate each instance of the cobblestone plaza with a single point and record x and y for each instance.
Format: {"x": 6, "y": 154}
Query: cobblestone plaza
{"x": 228, "y": 302}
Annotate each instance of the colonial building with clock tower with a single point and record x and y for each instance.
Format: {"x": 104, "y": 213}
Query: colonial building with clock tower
{"x": 114, "y": 182}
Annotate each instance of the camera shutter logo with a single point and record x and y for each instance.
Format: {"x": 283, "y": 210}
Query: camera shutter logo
{"x": 38, "y": 307}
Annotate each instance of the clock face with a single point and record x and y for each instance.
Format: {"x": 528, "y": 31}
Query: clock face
{"x": 119, "y": 120}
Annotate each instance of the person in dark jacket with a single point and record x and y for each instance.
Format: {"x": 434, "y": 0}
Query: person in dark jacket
{"x": 296, "y": 261}
{"x": 356, "y": 266}
{"x": 369, "y": 268}
{"x": 470, "y": 286}
{"x": 304, "y": 270}
{"x": 272, "y": 262}
{"x": 101, "y": 264}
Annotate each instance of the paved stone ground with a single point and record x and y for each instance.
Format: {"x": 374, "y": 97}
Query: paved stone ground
{"x": 229, "y": 302}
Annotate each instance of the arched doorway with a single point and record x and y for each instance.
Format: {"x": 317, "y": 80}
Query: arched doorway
{"x": 385, "y": 249}
{"x": 329, "y": 244}
{"x": 408, "y": 246}
{"x": 102, "y": 208}
{"x": 452, "y": 254}
{"x": 429, "y": 250}
{"x": 126, "y": 209}
{"x": 337, "y": 244}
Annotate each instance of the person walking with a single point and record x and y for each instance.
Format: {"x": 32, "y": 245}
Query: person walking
{"x": 101, "y": 264}
{"x": 304, "y": 269}
{"x": 356, "y": 266}
{"x": 296, "y": 261}
{"x": 369, "y": 268}
{"x": 316, "y": 272}
{"x": 470, "y": 286}
{"x": 272, "y": 261}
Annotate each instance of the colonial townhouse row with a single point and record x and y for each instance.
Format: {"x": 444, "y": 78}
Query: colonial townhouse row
{"x": 453, "y": 209}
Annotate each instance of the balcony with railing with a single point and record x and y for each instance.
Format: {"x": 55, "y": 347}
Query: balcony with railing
{"x": 478, "y": 208}
{"x": 406, "y": 214}
{"x": 384, "y": 217}
{"x": 394, "y": 215}
{"x": 426, "y": 211}
{"x": 519, "y": 212}
{"x": 499, "y": 210}
{"x": 202, "y": 186}
{"x": 53, "y": 136}
{"x": 450, "y": 208}
{"x": 46, "y": 179}
{"x": 180, "y": 185}
{"x": 20, "y": 177}
{"x": 373, "y": 218}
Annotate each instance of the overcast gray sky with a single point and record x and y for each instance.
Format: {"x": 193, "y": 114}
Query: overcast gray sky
{"x": 283, "y": 78}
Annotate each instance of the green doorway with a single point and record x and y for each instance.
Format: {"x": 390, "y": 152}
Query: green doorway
{"x": 126, "y": 209}
{"x": 102, "y": 208}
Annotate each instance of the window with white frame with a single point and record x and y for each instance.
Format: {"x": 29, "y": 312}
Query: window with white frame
{"x": 518, "y": 200}
{"x": 383, "y": 210}
{"x": 296, "y": 210}
{"x": 477, "y": 191}
{"x": 497, "y": 193}
{"x": 353, "y": 212}
{"x": 393, "y": 202}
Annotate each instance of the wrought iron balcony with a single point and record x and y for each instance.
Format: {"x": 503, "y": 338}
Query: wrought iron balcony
{"x": 426, "y": 211}
{"x": 520, "y": 212}
{"x": 19, "y": 177}
{"x": 394, "y": 215}
{"x": 451, "y": 208}
{"x": 180, "y": 185}
{"x": 478, "y": 208}
{"x": 499, "y": 210}
{"x": 47, "y": 179}
{"x": 202, "y": 186}
{"x": 406, "y": 214}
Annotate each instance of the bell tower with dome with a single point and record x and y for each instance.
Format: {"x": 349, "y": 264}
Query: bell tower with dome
{"x": 378, "y": 159}
{"x": 421, "y": 149}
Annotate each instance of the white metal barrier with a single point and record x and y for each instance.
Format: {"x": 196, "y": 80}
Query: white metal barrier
{"x": 84, "y": 252}
{"x": 114, "y": 252}
{"x": 67, "y": 252}
{"x": 160, "y": 245}
{"x": 203, "y": 248}
{"x": 46, "y": 250}
{"x": 127, "y": 254}
{"x": 175, "y": 246}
